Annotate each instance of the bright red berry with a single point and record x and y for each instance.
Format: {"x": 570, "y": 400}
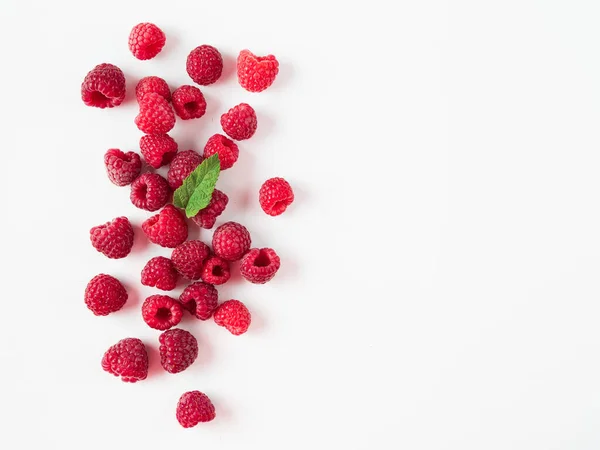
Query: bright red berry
{"x": 103, "y": 86}
{"x": 122, "y": 168}
{"x": 189, "y": 257}
{"x": 227, "y": 149}
{"x": 234, "y": 316}
{"x": 260, "y": 265}
{"x": 207, "y": 217}
{"x": 156, "y": 115}
{"x": 204, "y": 65}
{"x": 152, "y": 84}
{"x": 160, "y": 273}
{"x": 215, "y": 271}
{"x": 194, "y": 407}
{"x": 146, "y": 41}
{"x": 127, "y": 359}
{"x": 189, "y": 102}
{"x": 105, "y": 294}
{"x": 256, "y": 73}
{"x": 231, "y": 240}
{"x": 239, "y": 122}
{"x": 182, "y": 165}
{"x": 167, "y": 228}
{"x": 150, "y": 191}
{"x": 113, "y": 239}
{"x": 161, "y": 312}
{"x": 178, "y": 350}
{"x": 158, "y": 150}
{"x": 275, "y": 196}
{"x": 200, "y": 299}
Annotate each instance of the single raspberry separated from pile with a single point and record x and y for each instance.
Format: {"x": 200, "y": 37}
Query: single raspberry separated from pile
{"x": 161, "y": 312}
{"x": 105, "y": 294}
{"x": 158, "y": 150}
{"x": 194, "y": 407}
{"x": 207, "y": 217}
{"x": 152, "y": 84}
{"x": 204, "y": 65}
{"x": 160, "y": 273}
{"x": 146, "y": 41}
{"x": 167, "y": 228}
{"x": 234, "y": 316}
{"x": 122, "y": 168}
{"x": 182, "y": 165}
{"x": 150, "y": 191}
{"x": 189, "y": 102}
{"x": 113, "y": 239}
{"x": 178, "y": 350}
{"x": 103, "y": 86}
{"x": 231, "y": 240}
{"x": 200, "y": 299}
{"x": 260, "y": 265}
{"x": 256, "y": 73}
{"x": 189, "y": 257}
{"x": 127, "y": 359}
{"x": 239, "y": 122}
{"x": 275, "y": 196}
{"x": 156, "y": 115}
{"x": 215, "y": 271}
{"x": 227, "y": 149}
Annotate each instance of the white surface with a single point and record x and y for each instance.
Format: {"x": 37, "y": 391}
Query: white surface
{"x": 439, "y": 287}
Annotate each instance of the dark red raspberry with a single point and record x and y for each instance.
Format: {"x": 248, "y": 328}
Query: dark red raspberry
{"x": 167, "y": 228}
{"x": 231, "y": 240}
{"x": 189, "y": 102}
{"x": 156, "y": 115}
{"x": 103, "y": 86}
{"x": 146, "y": 41}
{"x": 161, "y": 312}
{"x": 150, "y": 191}
{"x": 275, "y": 196}
{"x": 152, "y": 84}
{"x": 189, "y": 257}
{"x": 122, "y": 168}
{"x": 160, "y": 273}
{"x": 200, "y": 299}
{"x": 194, "y": 407}
{"x": 256, "y": 73}
{"x": 207, "y": 217}
{"x": 127, "y": 359}
{"x": 227, "y": 149}
{"x": 260, "y": 265}
{"x": 215, "y": 271}
{"x": 158, "y": 150}
{"x": 182, "y": 165}
{"x": 105, "y": 294}
{"x": 204, "y": 65}
{"x": 234, "y": 316}
{"x": 239, "y": 122}
{"x": 113, "y": 239}
{"x": 178, "y": 350}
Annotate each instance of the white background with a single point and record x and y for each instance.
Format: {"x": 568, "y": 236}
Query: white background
{"x": 439, "y": 282}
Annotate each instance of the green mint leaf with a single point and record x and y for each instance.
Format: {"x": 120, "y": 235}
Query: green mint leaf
{"x": 196, "y": 191}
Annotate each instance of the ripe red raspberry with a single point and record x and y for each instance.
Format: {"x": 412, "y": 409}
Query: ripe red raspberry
{"x": 234, "y": 316}
{"x": 194, "y": 407}
{"x": 160, "y": 273}
{"x": 200, "y": 299}
{"x": 146, "y": 41}
{"x": 105, "y": 294}
{"x": 152, "y": 84}
{"x": 167, "y": 228}
{"x": 161, "y": 312}
{"x": 204, "y": 65}
{"x": 231, "y": 240}
{"x": 127, "y": 359}
{"x": 215, "y": 271}
{"x": 227, "y": 149}
{"x": 188, "y": 258}
{"x": 178, "y": 350}
{"x": 256, "y": 73}
{"x": 113, "y": 239}
{"x": 189, "y": 102}
{"x": 207, "y": 217}
{"x": 156, "y": 115}
{"x": 275, "y": 196}
{"x": 158, "y": 150}
{"x": 260, "y": 265}
{"x": 122, "y": 168}
{"x": 239, "y": 122}
{"x": 182, "y": 165}
{"x": 150, "y": 191}
{"x": 103, "y": 86}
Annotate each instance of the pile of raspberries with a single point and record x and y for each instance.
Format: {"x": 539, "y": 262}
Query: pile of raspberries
{"x": 193, "y": 260}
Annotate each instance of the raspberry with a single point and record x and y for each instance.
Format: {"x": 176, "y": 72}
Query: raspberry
{"x": 150, "y": 191}
{"x": 182, "y": 165}
{"x": 103, "y": 86}
{"x": 256, "y": 73}
{"x": 178, "y": 350}
{"x": 194, "y": 407}
{"x": 239, "y": 122}
{"x": 231, "y": 240}
{"x": 234, "y": 316}
{"x": 146, "y": 41}
{"x": 200, "y": 299}
{"x": 275, "y": 196}
{"x": 207, "y": 217}
{"x": 167, "y": 228}
{"x": 152, "y": 84}
{"x": 260, "y": 265}
{"x": 156, "y": 115}
{"x": 215, "y": 271}
{"x": 158, "y": 150}
{"x": 161, "y": 312}
{"x": 127, "y": 359}
{"x": 122, "y": 168}
{"x": 188, "y": 258}
{"x": 204, "y": 65}
{"x": 160, "y": 273}
{"x": 189, "y": 102}
{"x": 227, "y": 149}
{"x": 105, "y": 294}
{"x": 113, "y": 239}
